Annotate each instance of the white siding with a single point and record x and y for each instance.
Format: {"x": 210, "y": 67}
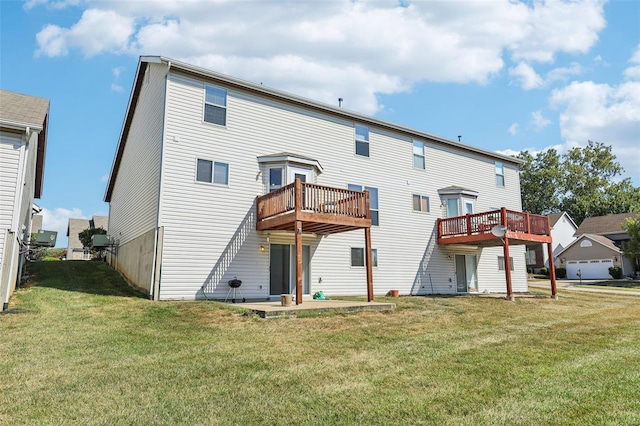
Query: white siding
{"x": 11, "y": 148}
{"x": 28, "y": 187}
{"x": 134, "y": 201}
{"x": 210, "y": 234}
{"x": 562, "y": 235}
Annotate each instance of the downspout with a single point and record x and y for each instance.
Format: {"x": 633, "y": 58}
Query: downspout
{"x": 155, "y": 289}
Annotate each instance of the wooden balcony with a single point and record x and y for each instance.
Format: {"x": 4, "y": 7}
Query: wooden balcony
{"x": 322, "y": 209}
{"x": 475, "y": 229}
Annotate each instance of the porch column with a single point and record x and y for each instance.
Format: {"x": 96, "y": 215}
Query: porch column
{"x": 368, "y": 261}
{"x": 298, "y": 262}
{"x": 552, "y": 271}
{"x": 505, "y": 246}
{"x": 298, "y": 233}
{"x": 507, "y": 269}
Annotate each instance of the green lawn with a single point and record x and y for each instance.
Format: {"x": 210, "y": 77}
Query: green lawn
{"x": 81, "y": 348}
{"x": 616, "y": 284}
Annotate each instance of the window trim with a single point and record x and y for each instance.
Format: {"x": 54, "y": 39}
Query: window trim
{"x": 358, "y": 140}
{"x": 223, "y": 107}
{"x": 374, "y": 257}
{"x": 213, "y": 172}
{"x": 424, "y": 157}
{"x": 422, "y": 197}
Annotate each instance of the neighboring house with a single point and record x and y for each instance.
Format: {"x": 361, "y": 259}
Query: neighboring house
{"x": 36, "y": 223}
{"x": 75, "y": 250}
{"x": 597, "y": 248}
{"x": 563, "y": 229}
{"x": 23, "y": 140}
{"x": 216, "y": 178}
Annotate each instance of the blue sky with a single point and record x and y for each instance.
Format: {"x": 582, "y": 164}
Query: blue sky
{"x": 505, "y": 75}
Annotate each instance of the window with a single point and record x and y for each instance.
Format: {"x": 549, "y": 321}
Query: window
{"x": 221, "y": 173}
{"x": 275, "y": 179}
{"x": 501, "y": 263}
{"x": 530, "y": 256}
{"x": 468, "y": 207}
{"x": 215, "y": 105}
{"x": 373, "y": 201}
{"x": 212, "y": 172}
{"x": 452, "y": 207}
{"x": 499, "y": 174}
{"x": 420, "y": 203}
{"x": 357, "y": 256}
{"x": 418, "y": 155}
{"x": 362, "y": 140}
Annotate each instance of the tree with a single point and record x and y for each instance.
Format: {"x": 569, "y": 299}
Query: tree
{"x": 85, "y": 236}
{"x": 584, "y": 182}
{"x": 631, "y": 248}
{"x": 540, "y": 181}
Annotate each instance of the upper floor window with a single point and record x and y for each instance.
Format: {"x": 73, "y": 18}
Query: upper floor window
{"x": 362, "y": 140}
{"x": 212, "y": 172}
{"x": 275, "y": 179}
{"x": 420, "y": 203}
{"x": 418, "y": 155}
{"x": 499, "y": 174}
{"x": 373, "y": 201}
{"x": 215, "y": 105}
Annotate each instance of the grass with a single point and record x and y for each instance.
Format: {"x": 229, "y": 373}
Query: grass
{"x": 87, "y": 350}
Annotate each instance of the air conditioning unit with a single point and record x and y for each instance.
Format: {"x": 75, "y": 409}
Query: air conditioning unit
{"x": 100, "y": 240}
{"x": 45, "y": 238}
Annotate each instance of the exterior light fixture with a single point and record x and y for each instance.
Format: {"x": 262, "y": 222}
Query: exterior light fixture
{"x": 262, "y": 248}
{"x": 615, "y": 258}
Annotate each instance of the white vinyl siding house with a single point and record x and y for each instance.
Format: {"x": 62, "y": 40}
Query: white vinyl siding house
{"x": 23, "y": 130}
{"x": 207, "y": 232}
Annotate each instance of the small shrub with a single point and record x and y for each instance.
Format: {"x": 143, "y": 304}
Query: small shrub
{"x": 561, "y": 273}
{"x": 544, "y": 271}
{"x": 615, "y": 272}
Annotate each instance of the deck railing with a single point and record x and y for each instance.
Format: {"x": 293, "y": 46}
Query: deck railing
{"x": 482, "y": 223}
{"x": 314, "y": 198}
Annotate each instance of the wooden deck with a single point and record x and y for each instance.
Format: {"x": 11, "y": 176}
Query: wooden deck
{"x": 323, "y": 210}
{"x": 475, "y": 229}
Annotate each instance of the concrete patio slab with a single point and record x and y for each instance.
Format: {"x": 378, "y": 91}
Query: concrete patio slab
{"x": 274, "y": 309}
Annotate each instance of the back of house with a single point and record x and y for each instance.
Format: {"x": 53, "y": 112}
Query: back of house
{"x": 203, "y": 181}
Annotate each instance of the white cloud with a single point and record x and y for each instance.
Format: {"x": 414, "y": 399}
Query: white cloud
{"x": 530, "y": 79}
{"x": 513, "y": 129}
{"x": 508, "y": 152}
{"x": 117, "y": 71}
{"x": 539, "y": 121}
{"x": 527, "y": 76}
{"x": 97, "y": 31}
{"x": 56, "y": 5}
{"x": 104, "y": 178}
{"x": 603, "y": 113}
{"x": 116, "y": 88}
{"x": 633, "y": 72}
{"x": 325, "y": 50}
{"x": 58, "y": 219}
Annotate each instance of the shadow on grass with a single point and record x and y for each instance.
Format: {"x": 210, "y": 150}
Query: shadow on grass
{"x": 615, "y": 283}
{"x": 93, "y": 277}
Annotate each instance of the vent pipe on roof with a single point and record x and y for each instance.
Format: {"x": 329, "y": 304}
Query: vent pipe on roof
{"x": 340, "y": 102}
{"x": 459, "y": 138}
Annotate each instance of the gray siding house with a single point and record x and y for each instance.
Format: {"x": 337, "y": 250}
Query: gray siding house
{"x": 23, "y": 141}
{"x": 215, "y": 178}
{"x": 75, "y": 249}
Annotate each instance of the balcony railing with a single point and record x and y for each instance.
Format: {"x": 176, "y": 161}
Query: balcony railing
{"x": 315, "y": 199}
{"x": 483, "y": 223}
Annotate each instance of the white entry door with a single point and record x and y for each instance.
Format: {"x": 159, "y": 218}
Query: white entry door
{"x": 299, "y": 172}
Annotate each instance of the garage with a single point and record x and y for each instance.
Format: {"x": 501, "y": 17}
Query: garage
{"x": 594, "y": 269}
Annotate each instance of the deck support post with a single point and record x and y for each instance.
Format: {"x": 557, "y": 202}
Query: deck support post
{"x": 507, "y": 263}
{"x": 552, "y": 272}
{"x": 368, "y": 261}
{"x": 298, "y": 237}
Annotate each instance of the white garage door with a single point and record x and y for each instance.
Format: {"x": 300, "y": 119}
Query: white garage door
{"x": 590, "y": 269}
